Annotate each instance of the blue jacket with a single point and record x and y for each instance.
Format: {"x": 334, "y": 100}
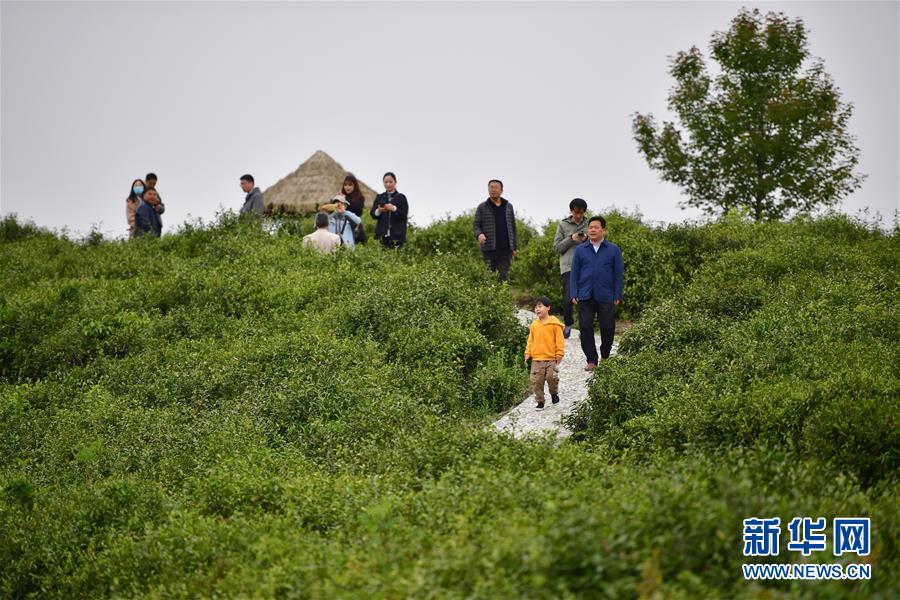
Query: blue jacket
{"x": 343, "y": 225}
{"x": 146, "y": 220}
{"x": 597, "y": 276}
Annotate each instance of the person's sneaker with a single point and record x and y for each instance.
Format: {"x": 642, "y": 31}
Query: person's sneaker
{"x": 554, "y": 398}
{"x": 567, "y": 331}
{"x": 590, "y": 367}
{"x": 540, "y": 405}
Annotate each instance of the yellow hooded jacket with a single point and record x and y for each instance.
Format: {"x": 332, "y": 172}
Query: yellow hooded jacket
{"x": 545, "y": 340}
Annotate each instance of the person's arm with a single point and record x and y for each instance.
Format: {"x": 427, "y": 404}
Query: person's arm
{"x": 141, "y": 221}
{"x": 528, "y": 344}
{"x": 353, "y": 218}
{"x": 130, "y": 211}
{"x": 573, "y": 277}
{"x": 258, "y": 203}
{"x": 375, "y": 211}
{"x": 514, "y": 242}
{"x": 560, "y": 343}
{"x": 476, "y": 224}
{"x": 161, "y": 208}
{"x": 618, "y": 275}
{"x": 561, "y": 241}
{"x": 401, "y": 206}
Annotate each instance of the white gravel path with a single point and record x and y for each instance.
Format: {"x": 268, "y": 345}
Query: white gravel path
{"x": 525, "y": 419}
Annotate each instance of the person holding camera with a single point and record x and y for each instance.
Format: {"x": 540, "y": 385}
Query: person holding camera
{"x": 570, "y": 232}
{"x": 390, "y": 210}
{"x": 343, "y": 221}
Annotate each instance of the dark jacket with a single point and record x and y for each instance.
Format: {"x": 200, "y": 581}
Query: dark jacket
{"x": 253, "y": 203}
{"x": 597, "y": 275}
{"x": 393, "y": 223}
{"x": 147, "y": 220}
{"x": 484, "y": 223}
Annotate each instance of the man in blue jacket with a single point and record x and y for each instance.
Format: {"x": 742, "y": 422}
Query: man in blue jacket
{"x": 596, "y": 286}
{"x": 146, "y": 218}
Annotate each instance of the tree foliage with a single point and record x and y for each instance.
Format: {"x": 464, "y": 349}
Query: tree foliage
{"x": 767, "y": 134}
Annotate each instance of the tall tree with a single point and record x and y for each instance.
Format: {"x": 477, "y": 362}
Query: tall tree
{"x": 764, "y": 134}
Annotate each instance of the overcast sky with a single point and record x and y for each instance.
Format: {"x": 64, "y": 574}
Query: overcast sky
{"x": 447, "y": 95}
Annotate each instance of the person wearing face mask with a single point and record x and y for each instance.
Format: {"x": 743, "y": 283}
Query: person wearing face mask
{"x": 390, "y": 209}
{"x": 135, "y": 195}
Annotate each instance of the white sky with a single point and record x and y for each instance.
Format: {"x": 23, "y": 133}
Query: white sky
{"x": 447, "y": 95}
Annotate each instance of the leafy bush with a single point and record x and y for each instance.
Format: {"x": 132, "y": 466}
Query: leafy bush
{"x": 223, "y": 413}
{"x": 791, "y": 341}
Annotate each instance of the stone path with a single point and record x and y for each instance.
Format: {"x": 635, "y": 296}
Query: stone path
{"x": 525, "y": 419}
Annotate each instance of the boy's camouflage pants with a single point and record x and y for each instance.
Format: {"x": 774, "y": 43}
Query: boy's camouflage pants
{"x": 541, "y": 371}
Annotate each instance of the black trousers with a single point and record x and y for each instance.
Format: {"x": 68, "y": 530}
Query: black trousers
{"x": 498, "y": 260}
{"x": 392, "y": 242}
{"x": 569, "y": 320}
{"x": 605, "y": 312}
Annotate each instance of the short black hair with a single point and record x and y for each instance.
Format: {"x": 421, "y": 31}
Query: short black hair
{"x": 578, "y": 203}
{"x": 151, "y": 176}
{"x": 543, "y": 300}
{"x": 321, "y": 220}
{"x": 248, "y": 177}
{"x": 496, "y": 181}
{"x": 598, "y": 218}
{"x": 394, "y": 177}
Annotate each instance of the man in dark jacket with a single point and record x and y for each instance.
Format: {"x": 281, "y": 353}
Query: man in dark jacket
{"x": 495, "y": 230}
{"x": 390, "y": 209}
{"x": 253, "y": 202}
{"x": 597, "y": 279}
{"x": 147, "y": 219}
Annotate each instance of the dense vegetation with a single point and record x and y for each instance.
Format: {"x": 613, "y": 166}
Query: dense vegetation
{"x": 223, "y": 412}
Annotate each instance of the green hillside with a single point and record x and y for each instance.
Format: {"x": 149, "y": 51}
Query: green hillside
{"x": 224, "y": 413}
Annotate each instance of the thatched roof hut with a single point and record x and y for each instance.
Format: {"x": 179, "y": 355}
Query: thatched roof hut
{"x": 314, "y": 183}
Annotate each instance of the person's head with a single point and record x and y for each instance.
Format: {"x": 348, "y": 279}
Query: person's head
{"x": 340, "y": 203}
{"x": 495, "y": 188}
{"x": 137, "y": 190}
{"x": 578, "y": 208}
{"x": 596, "y": 228}
{"x": 151, "y": 179}
{"x": 247, "y": 183}
{"x": 542, "y": 306}
{"x": 151, "y": 197}
{"x": 390, "y": 181}
{"x": 350, "y": 189}
{"x": 321, "y": 220}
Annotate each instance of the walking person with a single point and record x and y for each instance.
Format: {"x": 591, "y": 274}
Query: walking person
{"x": 253, "y": 202}
{"x": 570, "y": 232}
{"x": 390, "y": 209}
{"x": 545, "y": 348}
{"x": 495, "y": 230}
{"x": 343, "y": 222}
{"x": 146, "y": 219}
{"x": 135, "y": 196}
{"x": 596, "y": 280}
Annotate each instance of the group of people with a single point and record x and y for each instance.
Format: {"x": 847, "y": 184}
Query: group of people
{"x": 592, "y": 274}
{"x": 339, "y": 222}
{"x": 144, "y": 207}
{"x": 591, "y": 268}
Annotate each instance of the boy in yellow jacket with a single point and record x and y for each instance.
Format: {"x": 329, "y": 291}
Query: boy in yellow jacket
{"x": 545, "y": 348}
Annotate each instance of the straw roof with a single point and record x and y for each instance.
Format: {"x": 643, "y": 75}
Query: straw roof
{"x": 314, "y": 183}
